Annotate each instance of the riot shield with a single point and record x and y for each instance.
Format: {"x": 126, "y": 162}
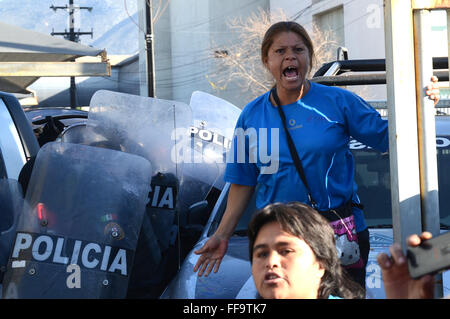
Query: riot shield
{"x": 214, "y": 120}
{"x": 79, "y": 227}
{"x": 157, "y": 130}
{"x": 79, "y": 133}
{"x": 204, "y": 163}
{"x": 11, "y": 203}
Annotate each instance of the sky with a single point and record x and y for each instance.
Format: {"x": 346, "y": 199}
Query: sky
{"x": 105, "y": 15}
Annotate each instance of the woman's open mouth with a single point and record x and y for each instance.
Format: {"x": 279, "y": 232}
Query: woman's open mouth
{"x": 272, "y": 278}
{"x": 291, "y": 73}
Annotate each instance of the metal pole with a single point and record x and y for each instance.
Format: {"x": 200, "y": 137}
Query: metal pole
{"x": 73, "y": 88}
{"x": 74, "y": 37}
{"x": 426, "y": 130}
{"x": 146, "y": 49}
{"x": 448, "y": 39}
{"x": 401, "y": 99}
{"x": 71, "y": 21}
{"x": 150, "y": 48}
{"x": 426, "y": 123}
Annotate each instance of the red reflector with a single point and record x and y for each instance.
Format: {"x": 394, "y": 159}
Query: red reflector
{"x": 41, "y": 211}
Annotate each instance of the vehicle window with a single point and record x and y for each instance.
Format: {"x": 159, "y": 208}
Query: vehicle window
{"x": 374, "y": 189}
{"x": 373, "y": 180}
{"x": 13, "y": 155}
{"x": 443, "y": 162}
{"x": 241, "y": 227}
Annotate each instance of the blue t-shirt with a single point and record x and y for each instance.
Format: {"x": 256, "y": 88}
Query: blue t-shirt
{"x": 320, "y": 124}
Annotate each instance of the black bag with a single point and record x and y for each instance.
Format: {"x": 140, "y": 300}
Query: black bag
{"x": 341, "y": 218}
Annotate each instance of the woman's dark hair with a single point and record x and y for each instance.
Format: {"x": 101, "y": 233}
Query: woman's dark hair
{"x": 303, "y": 221}
{"x": 286, "y": 26}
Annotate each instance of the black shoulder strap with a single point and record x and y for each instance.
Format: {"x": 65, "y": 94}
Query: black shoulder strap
{"x": 292, "y": 149}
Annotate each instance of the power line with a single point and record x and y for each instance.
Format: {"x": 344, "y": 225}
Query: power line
{"x": 184, "y": 79}
{"x": 300, "y": 13}
{"x": 191, "y": 25}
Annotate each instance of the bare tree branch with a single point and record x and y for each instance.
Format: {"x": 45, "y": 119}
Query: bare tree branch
{"x": 241, "y": 63}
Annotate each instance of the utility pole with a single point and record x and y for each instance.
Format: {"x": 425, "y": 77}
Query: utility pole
{"x": 149, "y": 40}
{"x": 147, "y": 62}
{"x": 74, "y": 37}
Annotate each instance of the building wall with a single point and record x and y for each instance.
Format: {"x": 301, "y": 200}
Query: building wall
{"x": 128, "y": 82}
{"x": 364, "y": 31}
{"x": 186, "y": 36}
{"x": 189, "y": 26}
{"x": 163, "y": 55}
{"x": 363, "y": 26}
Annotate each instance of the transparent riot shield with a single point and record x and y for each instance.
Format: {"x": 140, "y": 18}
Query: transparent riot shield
{"x": 214, "y": 120}
{"x": 157, "y": 130}
{"x": 11, "y": 204}
{"x": 79, "y": 227}
{"x": 197, "y": 196}
{"x": 204, "y": 163}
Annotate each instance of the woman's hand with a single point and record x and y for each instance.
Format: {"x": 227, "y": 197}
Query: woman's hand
{"x": 433, "y": 91}
{"x": 211, "y": 253}
{"x": 398, "y": 284}
{"x": 215, "y": 248}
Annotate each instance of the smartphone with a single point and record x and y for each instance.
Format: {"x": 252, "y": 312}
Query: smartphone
{"x": 430, "y": 257}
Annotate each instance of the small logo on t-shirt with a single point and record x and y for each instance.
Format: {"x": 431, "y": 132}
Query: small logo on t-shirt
{"x": 293, "y": 126}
